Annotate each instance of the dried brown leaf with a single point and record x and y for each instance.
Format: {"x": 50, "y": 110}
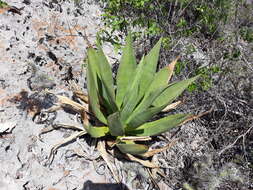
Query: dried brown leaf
{"x": 145, "y": 163}
{"x": 78, "y": 92}
{"x": 171, "y": 67}
{"x": 155, "y": 151}
{"x": 111, "y": 143}
{"x": 57, "y": 126}
{"x": 64, "y": 141}
{"x": 85, "y": 118}
{"x": 133, "y": 138}
{"x": 66, "y": 102}
{"x": 197, "y": 116}
{"x": 105, "y": 156}
{"x": 171, "y": 106}
{"x": 81, "y": 95}
{"x": 153, "y": 179}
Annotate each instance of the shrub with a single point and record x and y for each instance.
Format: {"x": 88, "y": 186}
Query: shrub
{"x": 123, "y": 111}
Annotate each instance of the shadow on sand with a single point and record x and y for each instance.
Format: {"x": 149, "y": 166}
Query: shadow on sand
{"x": 89, "y": 185}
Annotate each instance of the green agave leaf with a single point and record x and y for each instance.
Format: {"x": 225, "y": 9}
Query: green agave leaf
{"x": 149, "y": 68}
{"x": 146, "y": 102}
{"x": 173, "y": 91}
{"x": 130, "y": 105}
{"x": 97, "y": 132}
{"x": 111, "y": 104}
{"x": 159, "y": 126}
{"x": 92, "y": 86}
{"x": 132, "y": 148}
{"x": 131, "y": 98}
{"x": 125, "y": 72}
{"x": 160, "y": 79}
{"x": 104, "y": 99}
{"x": 105, "y": 71}
{"x": 92, "y": 66}
{"x": 142, "y": 117}
{"x": 106, "y": 87}
{"x": 115, "y": 125}
{"x": 136, "y": 78}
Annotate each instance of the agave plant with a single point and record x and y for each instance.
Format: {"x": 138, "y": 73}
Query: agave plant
{"x": 124, "y": 107}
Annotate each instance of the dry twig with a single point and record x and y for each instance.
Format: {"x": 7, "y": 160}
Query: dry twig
{"x": 243, "y": 136}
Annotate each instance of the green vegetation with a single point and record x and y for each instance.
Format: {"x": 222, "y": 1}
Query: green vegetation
{"x": 121, "y": 110}
{"x": 247, "y": 34}
{"x": 172, "y": 20}
{"x": 3, "y": 4}
{"x": 206, "y": 81}
{"x": 187, "y": 17}
{"x": 141, "y": 92}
